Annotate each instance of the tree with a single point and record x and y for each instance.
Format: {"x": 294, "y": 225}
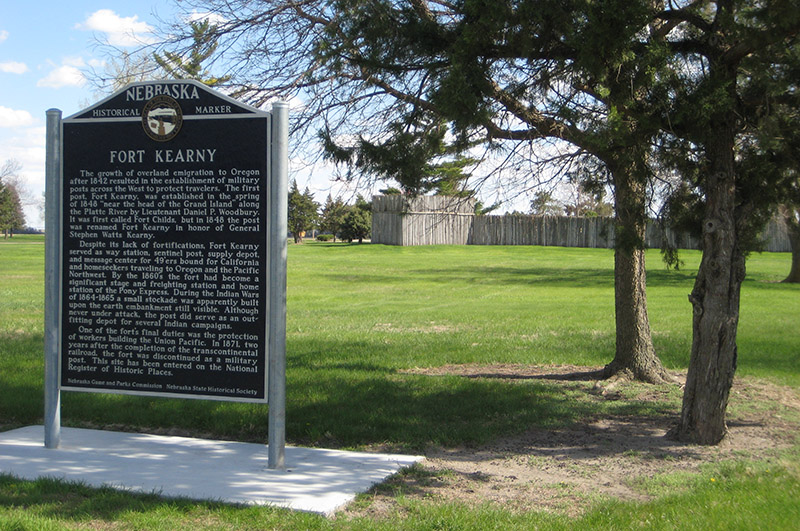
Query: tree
{"x": 776, "y": 149}
{"x": 11, "y": 215}
{"x": 587, "y": 201}
{"x": 10, "y": 211}
{"x": 357, "y": 223}
{"x": 627, "y": 63}
{"x": 731, "y": 60}
{"x": 303, "y": 212}
{"x": 124, "y": 67}
{"x": 332, "y": 217}
{"x": 121, "y": 69}
{"x": 436, "y": 78}
{"x": 610, "y": 78}
{"x": 449, "y": 177}
{"x": 791, "y": 217}
{"x": 480, "y": 64}
{"x": 419, "y": 163}
{"x": 544, "y": 204}
{"x": 189, "y": 64}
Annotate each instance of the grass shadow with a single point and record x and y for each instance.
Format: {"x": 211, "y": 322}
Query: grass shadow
{"x": 577, "y": 376}
{"x": 21, "y": 378}
{"x": 42, "y": 501}
{"x": 410, "y": 412}
{"x": 337, "y": 399}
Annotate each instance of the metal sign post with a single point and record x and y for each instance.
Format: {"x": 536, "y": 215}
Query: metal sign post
{"x": 52, "y": 274}
{"x": 279, "y": 191}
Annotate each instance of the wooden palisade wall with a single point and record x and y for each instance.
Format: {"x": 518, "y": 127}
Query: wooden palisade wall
{"x": 433, "y": 220}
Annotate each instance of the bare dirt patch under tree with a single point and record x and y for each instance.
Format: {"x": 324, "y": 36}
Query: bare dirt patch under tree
{"x": 565, "y": 469}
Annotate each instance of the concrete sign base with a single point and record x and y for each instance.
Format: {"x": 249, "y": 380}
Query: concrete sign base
{"x": 319, "y": 481}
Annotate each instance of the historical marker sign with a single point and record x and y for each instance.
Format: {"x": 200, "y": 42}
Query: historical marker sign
{"x": 164, "y": 262}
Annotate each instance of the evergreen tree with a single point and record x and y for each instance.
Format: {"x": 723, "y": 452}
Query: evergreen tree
{"x": 188, "y": 64}
{"x": 734, "y": 69}
{"x": 433, "y": 79}
{"x": 303, "y": 212}
{"x": 610, "y": 78}
{"x": 11, "y": 216}
{"x": 332, "y": 217}
{"x": 124, "y": 67}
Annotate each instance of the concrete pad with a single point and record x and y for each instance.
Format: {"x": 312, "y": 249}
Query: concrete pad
{"x": 316, "y": 480}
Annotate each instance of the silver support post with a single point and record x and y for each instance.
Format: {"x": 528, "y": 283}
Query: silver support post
{"x": 52, "y": 274}
{"x": 278, "y": 200}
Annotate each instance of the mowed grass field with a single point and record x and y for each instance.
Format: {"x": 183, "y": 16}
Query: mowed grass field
{"x": 360, "y": 317}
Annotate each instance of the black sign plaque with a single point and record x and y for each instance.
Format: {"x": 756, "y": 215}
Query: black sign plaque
{"x": 165, "y": 245}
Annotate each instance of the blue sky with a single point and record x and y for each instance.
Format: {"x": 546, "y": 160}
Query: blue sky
{"x": 45, "y": 50}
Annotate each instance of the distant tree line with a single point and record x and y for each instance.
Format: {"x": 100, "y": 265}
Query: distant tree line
{"x": 336, "y": 218}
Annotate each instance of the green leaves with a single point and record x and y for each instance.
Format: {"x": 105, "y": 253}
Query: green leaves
{"x": 188, "y": 64}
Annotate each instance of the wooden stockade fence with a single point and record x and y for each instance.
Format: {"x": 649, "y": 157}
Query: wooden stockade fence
{"x": 423, "y": 220}
{"x": 543, "y": 230}
{"x": 432, "y": 220}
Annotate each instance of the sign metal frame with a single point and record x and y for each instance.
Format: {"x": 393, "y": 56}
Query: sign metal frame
{"x": 217, "y": 111}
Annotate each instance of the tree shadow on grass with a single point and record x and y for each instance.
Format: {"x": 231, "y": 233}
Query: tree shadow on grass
{"x": 345, "y": 408}
{"x": 411, "y": 412}
{"x": 338, "y": 401}
{"x": 589, "y": 375}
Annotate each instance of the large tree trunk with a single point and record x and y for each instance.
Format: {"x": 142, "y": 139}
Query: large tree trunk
{"x": 635, "y": 356}
{"x": 715, "y": 301}
{"x": 793, "y": 228}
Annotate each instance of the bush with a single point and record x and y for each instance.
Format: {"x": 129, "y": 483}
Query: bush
{"x": 324, "y": 237}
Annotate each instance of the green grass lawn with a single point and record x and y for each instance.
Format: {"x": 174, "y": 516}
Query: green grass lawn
{"x": 358, "y": 317}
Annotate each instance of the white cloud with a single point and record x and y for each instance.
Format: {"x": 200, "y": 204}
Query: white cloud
{"x": 14, "y": 118}
{"x": 3, "y": 35}
{"x": 63, "y": 76}
{"x": 13, "y": 67}
{"x": 215, "y": 19}
{"x": 120, "y": 31}
{"x": 74, "y": 60}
